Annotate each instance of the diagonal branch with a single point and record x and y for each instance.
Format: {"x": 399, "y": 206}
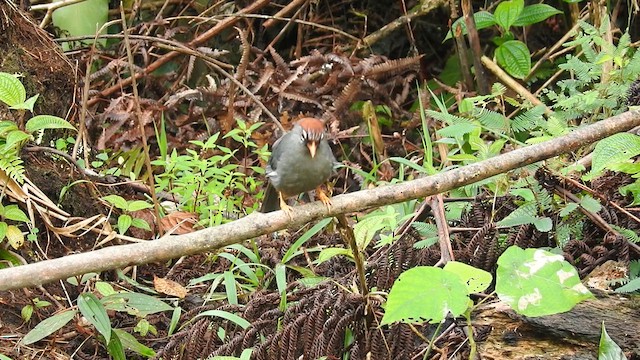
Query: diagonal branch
{"x": 257, "y": 224}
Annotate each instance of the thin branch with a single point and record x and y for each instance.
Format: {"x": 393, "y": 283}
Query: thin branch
{"x": 256, "y": 224}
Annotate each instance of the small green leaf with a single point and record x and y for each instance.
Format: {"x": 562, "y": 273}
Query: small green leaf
{"x": 137, "y": 205}
{"x": 16, "y": 138}
{"x": 26, "y": 312}
{"x": 425, "y": 294}
{"x": 135, "y": 304}
{"x": 483, "y": 20}
{"x": 140, "y": 224}
{"x": 3, "y": 230}
{"x": 477, "y": 280}
{"x": 227, "y": 316}
{"x": 543, "y": 224}
{"x": 12, "y": 91}
{"x": 124, "y": 223}
{"x": 28, "y": 104}
{"x": 608, "y": 349}
{"x": 328, "y": 253}
{"x": 48, "y": 327}
{"x": 131, "y": 343}
{"x": 535, "y": 13}
{"x": 13, "y": 212}
{"x": 41, "y": 122}
{"x": 514, "y": 57}
{"x": 114, "y": 347}
{"x": 507, "y": 12}
{"x": 93, "y": 310}
{"x": 84, "y": 18}
{"x": 116, "y": 200}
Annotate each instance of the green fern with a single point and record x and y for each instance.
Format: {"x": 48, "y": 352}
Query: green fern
{"x": 11, "y": 164}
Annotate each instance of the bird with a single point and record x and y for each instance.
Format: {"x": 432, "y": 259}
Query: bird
{"x": 301, "y": 160}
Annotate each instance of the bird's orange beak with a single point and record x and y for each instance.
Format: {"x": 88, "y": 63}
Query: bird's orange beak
{"x": 312, "y": 145}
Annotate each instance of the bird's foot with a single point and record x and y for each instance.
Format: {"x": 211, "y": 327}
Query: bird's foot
{"x": 285, "y": 207}
{"x": 323, "y": 197}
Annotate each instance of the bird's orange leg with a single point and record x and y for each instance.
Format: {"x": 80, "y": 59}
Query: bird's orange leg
{"x": 323, "y": 197}
{"x": 284, "y": 206}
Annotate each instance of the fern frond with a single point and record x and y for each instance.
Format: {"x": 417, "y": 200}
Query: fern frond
{"x": 530, "y": 119}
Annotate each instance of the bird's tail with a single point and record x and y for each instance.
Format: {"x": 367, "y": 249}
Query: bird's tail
{"x": 271, "y": 201}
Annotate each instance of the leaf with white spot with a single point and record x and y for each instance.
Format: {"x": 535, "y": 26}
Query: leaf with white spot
{"x": 535, "y": 282}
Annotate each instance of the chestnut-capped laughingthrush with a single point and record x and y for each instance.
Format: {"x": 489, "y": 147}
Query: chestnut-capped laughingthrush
{"x": 301, "y": 160}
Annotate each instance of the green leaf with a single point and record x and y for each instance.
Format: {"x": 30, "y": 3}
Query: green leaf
{"x": 16, "y": 138}
{"x": 131, "y": 343}
{"x": 328, "y": 253}
{"x": 608, "y": 349}
{"x": 41, "y": 122}
{"x": 124, "y": 223}
{"x": 227, "y": 316}
{"x": 425, "y": 293}
{"x": 116, "y": 200}
{"x": 303, "y": 239}
{"x": 115, "y": 349}
{"x": 507, "y": 12}
{"x": 135, "y": 304}
{"x": 483, "y": 20}
{"x": 12, "y": 91}
{"x": 535, "y": 13}
{"x": 48, "y": 327}
{"x": 543, "y": 224}
{"x": 175, "y": 318}
{"x": 140, "y": 224}
{"x": 137, "y": 205}
{"x": 3, "y": 357}
{"x": 514, "y": 57}
{"x": 27, "y": 104}
{"x": 614, "y": 149}
{"x": 535, "y": 282}
{"x": 84, "y": 18}
{"x": 13, "y": 212}
{"x": 230, "y": 287}
{"x": 3, "y": 230}
{"x": 477, "y": 280}
{"x": 93, "y": 310}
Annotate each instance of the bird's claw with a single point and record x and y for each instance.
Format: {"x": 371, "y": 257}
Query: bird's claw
{"x": 323, "y": 197}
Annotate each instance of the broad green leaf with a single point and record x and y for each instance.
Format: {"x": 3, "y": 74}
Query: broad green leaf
{"x": 425, "y": 294}
{"x": 507, "y": 12}
{"x": 281, "y": 277}
{"x": 14, "y": 236}
{"x": 535, "y": 282}
{"x": 116, "y": 200}
{"x": 115, "y": 349}
{"x": 48, "y": 327}
{"x": 12, "y": 91}
{"x": 131, "y": 343}
{"x": 84, "y": 18}
{"x": 227, "y": 316}
{"x": 614, "y": 149}
{"x": 140, "y": 224}
{"x": 124, "y": 222}
{"x": 93, "y": 310}
{"x": 15, "y": 138}
{"x": 535, "y": 13}
{"x": 105, "y": 288}
{"x": 13, "y": 212}
{"x": 135, "y": 304}
{"x": 608, "y": 349}
{"x": 514, "y": 57}
{"x": 41, "y": 122}
{"x": 137, "y": 205}
{"x": 543, "y": 224}
{"x": 3, "y": 357}
{"x": 477, "y": 280}
{"x": 328, "y": 253}
{"x": 483, "y": 20}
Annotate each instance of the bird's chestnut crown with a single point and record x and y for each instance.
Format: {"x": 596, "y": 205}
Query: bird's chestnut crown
{"x": 312, "y": 133}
